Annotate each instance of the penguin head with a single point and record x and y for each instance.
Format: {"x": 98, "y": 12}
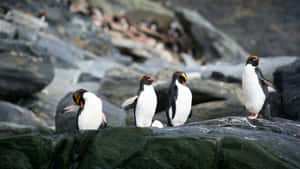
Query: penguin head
{"x": 253, "y": 60}
{"x": 78, "y": 97}
{"x": 146, "y": 80}
{"x": 181, "y": 77}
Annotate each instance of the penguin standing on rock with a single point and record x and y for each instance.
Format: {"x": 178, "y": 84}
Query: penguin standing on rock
{"x": 255, "y": 88}
{"x": 89, "y": 110}
{"x": 179, "y": 100}
{"x": 146, "y": 102}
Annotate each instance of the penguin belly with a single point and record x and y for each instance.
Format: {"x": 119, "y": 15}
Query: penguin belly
{"x": 183, "y": 105}
{"x": 252, "y": 90}
{"x": 146, "y": 106}
{"x": 90, "y": 117}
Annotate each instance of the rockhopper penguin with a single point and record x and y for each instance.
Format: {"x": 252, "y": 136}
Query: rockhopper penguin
{"x": 179, "y": 103}
{"x": 255, "y": 88}
{"x": 89, "y": 110}
{"x": 146, "y": 102}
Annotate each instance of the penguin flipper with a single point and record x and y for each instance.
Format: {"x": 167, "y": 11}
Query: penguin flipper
{"x": 172, "y": 96}
{"x": 262, "y": 80}
{"x": 129, "y": 103}
{"x": 190, "y": 115}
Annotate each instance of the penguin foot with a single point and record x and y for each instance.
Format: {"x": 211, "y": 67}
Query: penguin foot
{"x": 253, "y": 116}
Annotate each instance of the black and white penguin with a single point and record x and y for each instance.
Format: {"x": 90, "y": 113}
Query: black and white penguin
{"x": 255, "y": 87}
{"x": 179, "y": 100}
{"x": 146, "y": 102}
{"x": 89, "y": 110}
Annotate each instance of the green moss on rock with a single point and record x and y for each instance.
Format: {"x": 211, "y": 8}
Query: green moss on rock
{"x": 11, "y": 159}
{"x": 239, "y": 153}
{"x": 31, "y": 150}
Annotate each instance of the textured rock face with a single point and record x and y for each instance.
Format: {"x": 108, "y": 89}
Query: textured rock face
{"x": 184, "y": 147}
{"x": 23, "y": 70}
{"x": 287, "y": 80}
{"x": 15, "y": 114}
{"x": 25, "y": 152}
{"x": 273, "y": 35}
{"x": 215, "y": 43}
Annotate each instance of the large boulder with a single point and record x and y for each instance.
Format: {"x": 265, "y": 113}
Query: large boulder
{"x": 15, "y": 114}
{"x": 25, "y": 152}
{"x": 120, "y": 83}
{"x": 214, "y": 42}
{"x": 204, "y": 147}
{"x": 217, "y": 109}
{"x": 258, "y": 26}
{"x": 287, "y": 81}
{"x": 24, "y": 70}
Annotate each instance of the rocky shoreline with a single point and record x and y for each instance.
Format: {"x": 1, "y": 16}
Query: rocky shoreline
{"x": 48, "y": 49}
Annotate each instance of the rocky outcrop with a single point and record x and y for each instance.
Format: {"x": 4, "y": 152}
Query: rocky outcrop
{"x": 24, "y": 70}
{"x": 214, "y": 42}
{"x": 14, "y": 114}
{"x": 215, "y": 146}
{"x": 120, "y": 83}
{"x": 111, "y": 8}
{"x": 286, "y": 80}
{"x": 242, "y": 21}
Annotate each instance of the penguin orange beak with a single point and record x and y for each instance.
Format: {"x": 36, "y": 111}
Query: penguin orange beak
{"x": 71, "y": 108}
{"x": 151, "y": 79}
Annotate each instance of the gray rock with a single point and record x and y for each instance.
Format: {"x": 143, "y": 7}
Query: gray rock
{"x": 24, "y": 70}
{"x": 86, "y": 77}
{"x": 65, "y": 54}
{"x": 7, "y": 30}
{"x": 119, "y": 84}
{"x": 111, "y": 8}
{"x": 12, "y": 129}
{"x": 15, "y": 114}
{"x": 215, "y": 42}
{"x": 278, "y": 125}
{"x": 286, "y": 80}
{"x": 218, "y": 109}
{"x": 222, "y": 143}
{"x": 26, "y": 20}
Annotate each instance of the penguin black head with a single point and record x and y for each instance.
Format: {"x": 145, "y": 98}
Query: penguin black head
{"x": 147, "y": 80}
{"x": 78, "y": 97}
{"x": 181, "y": 77}
{"x": 253, "y": 60}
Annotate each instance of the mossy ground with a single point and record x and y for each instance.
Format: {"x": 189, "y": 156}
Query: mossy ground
{"x": 135, "y": 148}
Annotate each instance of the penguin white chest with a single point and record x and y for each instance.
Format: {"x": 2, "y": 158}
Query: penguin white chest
{"x": 91, "y": 116}
{"x": 253, "y": 92}
{"x": 145, "y": 107}
{"x": 183, "y": 105}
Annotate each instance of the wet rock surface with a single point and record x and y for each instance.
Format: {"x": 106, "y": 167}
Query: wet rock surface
{"x": 24, "y": 70}
{"x": 51, "y": 48}
{"x": 225, "y": 146}
{"x": 286, "y": 80}
{"x": 15, "y": 114}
